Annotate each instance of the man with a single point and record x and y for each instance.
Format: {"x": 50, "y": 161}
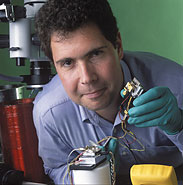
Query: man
{"x": 82, "y": 102}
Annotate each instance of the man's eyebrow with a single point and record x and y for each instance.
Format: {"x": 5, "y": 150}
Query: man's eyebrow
{"x": 93, "y": 51}
{"x": 64, "y": 60}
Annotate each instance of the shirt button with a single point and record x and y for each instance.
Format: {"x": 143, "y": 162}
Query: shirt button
{"x": 124, "y": 153}
{"x": 115, "y": 131}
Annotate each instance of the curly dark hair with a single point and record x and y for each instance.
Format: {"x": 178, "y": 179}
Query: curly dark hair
{"x": 64, "y": 16}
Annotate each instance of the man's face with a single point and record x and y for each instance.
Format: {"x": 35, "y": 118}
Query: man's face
{"x": 89, "y": 68}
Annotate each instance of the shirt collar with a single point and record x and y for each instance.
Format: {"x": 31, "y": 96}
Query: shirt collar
{"x": 126, "y": 72}
{"x": 88, "y": 116}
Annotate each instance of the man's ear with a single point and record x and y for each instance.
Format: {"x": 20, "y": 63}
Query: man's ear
{"x": 119, "y": 46}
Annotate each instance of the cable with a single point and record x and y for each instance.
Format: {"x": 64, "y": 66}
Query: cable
{"x": 69, "y": 164}
{"x": 112, "y": 168}
{"x": 123, "y": 126}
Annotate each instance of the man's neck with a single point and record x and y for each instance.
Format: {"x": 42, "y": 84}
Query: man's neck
{"x": 109, "y": 113}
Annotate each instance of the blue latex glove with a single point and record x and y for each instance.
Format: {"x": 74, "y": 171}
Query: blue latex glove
{"x": 157, "y": 107}
{"x": 111, "y": 146}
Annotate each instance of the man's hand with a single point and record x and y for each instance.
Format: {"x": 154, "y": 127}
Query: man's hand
{"x": 157, "y": 107}
{"x": 110, "y": 146}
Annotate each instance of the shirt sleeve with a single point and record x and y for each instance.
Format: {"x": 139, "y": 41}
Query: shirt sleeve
{"x": 177, "y": 139}
{"x": 52, "y": 149}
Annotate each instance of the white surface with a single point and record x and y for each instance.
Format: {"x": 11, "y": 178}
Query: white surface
{"x": 100, "y": 175}
{"x": 32, "y": 183}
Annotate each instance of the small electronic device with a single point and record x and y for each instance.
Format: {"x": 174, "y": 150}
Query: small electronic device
{"x": 134, "y": 88}
{"x": 153, "y": 174}
{"x": 92, "y": 167}
{"x": 131, "y": 91}
{"x": 89, "y": 159}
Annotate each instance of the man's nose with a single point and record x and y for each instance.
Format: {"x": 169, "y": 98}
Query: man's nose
{"x": 87, "y": 73}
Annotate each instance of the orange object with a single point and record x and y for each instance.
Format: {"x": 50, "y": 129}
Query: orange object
{"x": 19, "y": 139}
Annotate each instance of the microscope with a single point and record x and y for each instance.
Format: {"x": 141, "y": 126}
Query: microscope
{"x": 22, "y": 42}
{"x": 20, "y": 160}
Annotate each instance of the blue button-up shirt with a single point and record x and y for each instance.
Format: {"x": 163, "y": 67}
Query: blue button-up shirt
{"x": 63, "y": 125}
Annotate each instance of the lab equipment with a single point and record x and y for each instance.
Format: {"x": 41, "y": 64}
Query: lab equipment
{"x": 19, "y": 141}
{"x": 92, "y": 166}
{"x": 133, "y": 88}
{"x": 18, "y": 135}
{"x": 131, "y": 91}
{"x": 9, "y": 176}
{"x": 10, "y": 93}
{"x": 153, "y": 174}
{"x": 23, "y": 43}
{"x": 95, "y": 165}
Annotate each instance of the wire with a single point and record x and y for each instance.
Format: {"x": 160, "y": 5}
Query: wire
{"x": 128, "y": 132}
{"x": 112, "y": 160}
{"x": 121, "y": 106}
{"x": 112, "y": 166}
{"x": 72, "y": 162}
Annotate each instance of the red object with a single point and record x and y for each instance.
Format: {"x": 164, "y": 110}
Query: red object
{"x": 19, "y": 140}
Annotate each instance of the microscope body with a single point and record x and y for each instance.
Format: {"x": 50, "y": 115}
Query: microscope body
{"x": 23, "y": 43}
